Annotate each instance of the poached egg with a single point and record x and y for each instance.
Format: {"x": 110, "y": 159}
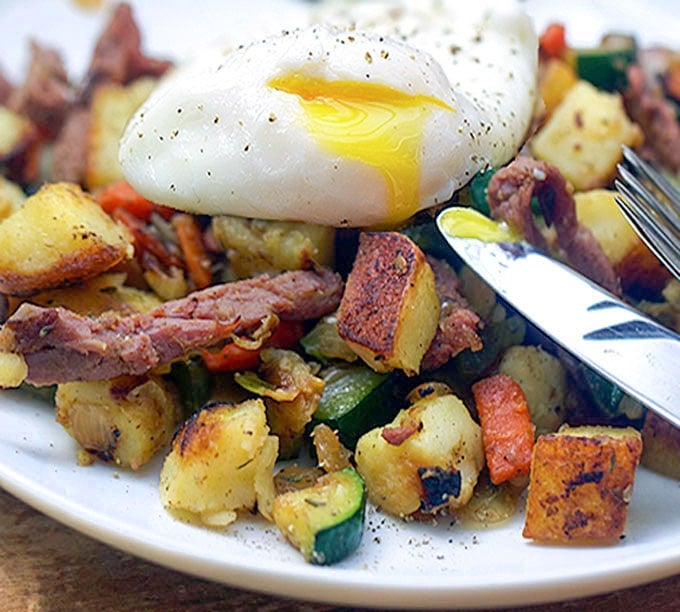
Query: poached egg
{"x": 357, "y": 124}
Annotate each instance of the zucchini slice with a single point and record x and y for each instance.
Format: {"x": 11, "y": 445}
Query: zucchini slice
{"x": 325, "y": 522}
{"x": 193, "y": 381}
{"x": 606, "y": 66}
{"x": 356, "y": 399}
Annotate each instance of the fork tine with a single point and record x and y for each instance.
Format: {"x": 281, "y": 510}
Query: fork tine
{"x": 661, "y": 209}
{"x": 656, "y": 219}
{"x": 653, "y": 176}
{"x": 650, "y": 232}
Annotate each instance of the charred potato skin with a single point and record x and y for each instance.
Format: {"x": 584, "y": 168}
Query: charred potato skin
{"x": 390, "y": 309}
{"x": 221, "y": 462}
{"x": 581, "y": 483}
{"x": 425, "y": 461}
{"x": 59, "y": 237}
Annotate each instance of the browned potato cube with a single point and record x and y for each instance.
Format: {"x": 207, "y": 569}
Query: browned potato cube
{"x": 11, "y": 197}
{"x": 221, "y": 462}
{"x": 60, "y": 236}
{"x": 20, "y": 143}
{"x": 112, "y": 107}
{"x": 258, "y": 246}
{"x": 390, "y": 309}
{"x": 124, "y": 421}
{"x": 581, "y": 483}
{"x": 584, "y": 134}
{"x": 633, "y": 262}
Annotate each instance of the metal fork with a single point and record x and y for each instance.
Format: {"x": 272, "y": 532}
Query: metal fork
{"x": 652, "y": 206}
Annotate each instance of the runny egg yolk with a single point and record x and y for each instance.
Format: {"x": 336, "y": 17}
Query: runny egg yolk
{"x": 461, "y": 222}
{"x": 372, "y": 123}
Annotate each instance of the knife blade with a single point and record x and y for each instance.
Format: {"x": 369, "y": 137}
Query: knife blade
{"x": 628, "y": 348}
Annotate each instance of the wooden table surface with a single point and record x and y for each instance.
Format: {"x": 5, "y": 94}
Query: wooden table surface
{"x": 47, "y": 566}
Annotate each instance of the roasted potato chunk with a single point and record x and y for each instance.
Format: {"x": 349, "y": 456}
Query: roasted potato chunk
{"x": 13, "y": 370}
{"x": 581, "y": 483}
{"x": 583, "y": 137}
{"x": 60, "y": 236}
{"x": 426, "y": 460}
{"x": 257, "y": 246}
{"x": 543, "y": 380}
{"x": 390, "y": 310}
{"x": 103, "y": 293}
{"x": 557, "y": 79}
{"x": 12, "y": 198}
{"x": 633, "y": 262}
{"x": 124, "y": 421}
{"x": 661, "y": 446}
{"x": 112, "y": 106}
{"x": 20, "y": 143}
{"x": 221, "y": 462}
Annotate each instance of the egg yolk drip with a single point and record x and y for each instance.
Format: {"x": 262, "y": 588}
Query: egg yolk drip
{"x": 376, "y": 124}
{"x": 461, "y": 222}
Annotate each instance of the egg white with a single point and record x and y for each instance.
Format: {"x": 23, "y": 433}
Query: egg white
{"x": 217, "y": 138}
{"x": 488, "y": 50}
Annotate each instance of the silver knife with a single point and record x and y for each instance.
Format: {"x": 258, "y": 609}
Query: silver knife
{"x": 628, "y": 348}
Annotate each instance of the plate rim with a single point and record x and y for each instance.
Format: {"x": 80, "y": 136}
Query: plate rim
{"x": 345, "y": 586}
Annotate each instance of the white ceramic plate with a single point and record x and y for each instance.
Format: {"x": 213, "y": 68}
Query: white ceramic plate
{"x": 398, "y": 564}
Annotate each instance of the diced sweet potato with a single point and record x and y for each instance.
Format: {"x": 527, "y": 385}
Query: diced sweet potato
{"x": 390, "y": 309}
{"x": 581, "y": 484}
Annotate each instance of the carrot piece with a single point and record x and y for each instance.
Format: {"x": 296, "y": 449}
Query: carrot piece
{"x": 233, "y": 358}
{"x": 195, "y": 255}
{"x": 553, "y": 42}
{"x": 123, "y": 195}
{"x": 507, "y": 430}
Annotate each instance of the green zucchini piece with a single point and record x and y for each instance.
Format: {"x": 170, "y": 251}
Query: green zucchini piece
{"x": 478, "y": 190}
{"x": 325, "y": 522}
{"x": 475, "y": 194}
{"x": 193, "y": 381}
{"x": 45, "y": 394}
{"x": 496, "y": 338}
{"x": 606, "y": 66}
{"x": 429, "y": 239}
{"x": 356, "y": 399}
{"x": 613, "y": 404}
